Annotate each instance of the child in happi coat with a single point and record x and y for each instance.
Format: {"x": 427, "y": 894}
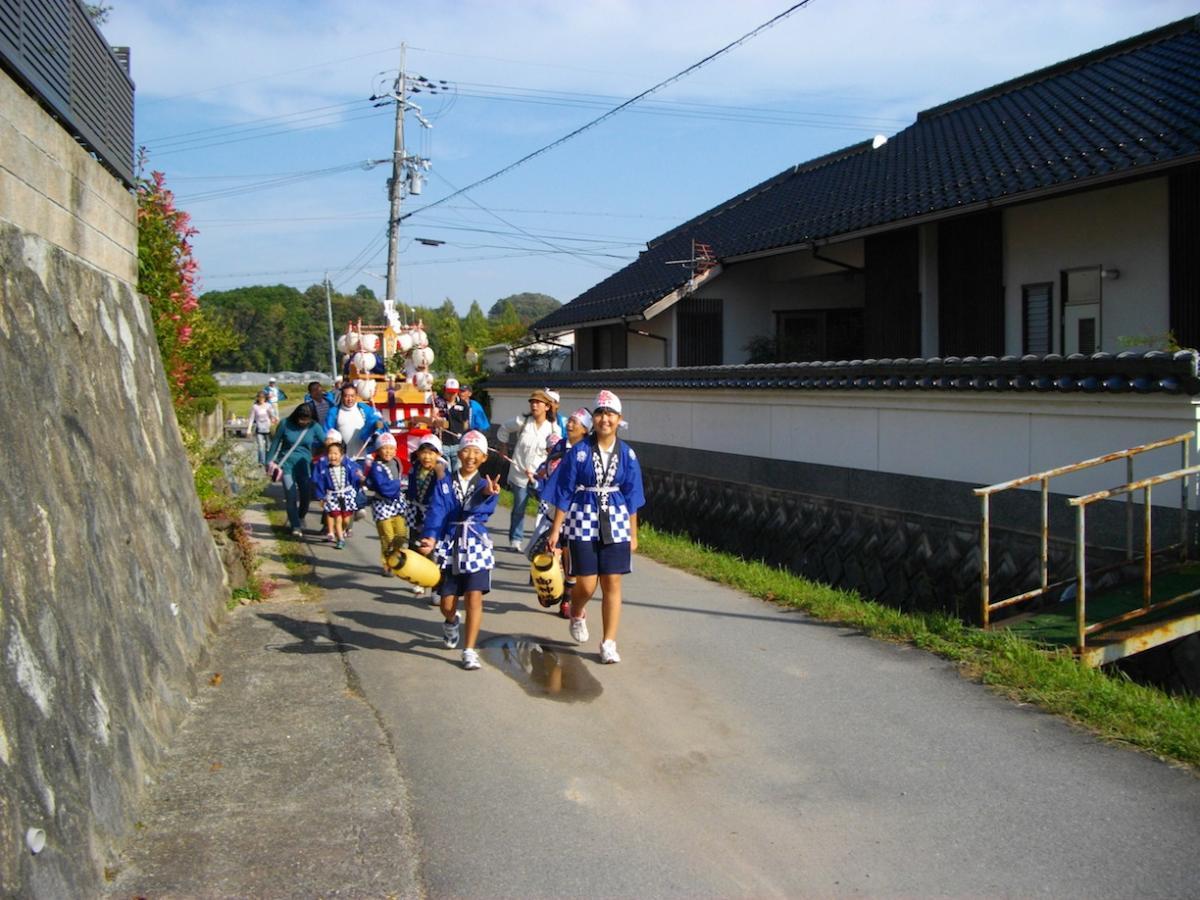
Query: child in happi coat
{"x": 336, "y": 480}
{"x": 578, "y": 424}
{"x": 385, "y": 479}
{"x": 427, "y": 471}
{"x": 455, "y": 532}
{"x": 597, "y": 493}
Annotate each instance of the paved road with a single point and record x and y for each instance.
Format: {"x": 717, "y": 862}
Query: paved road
{"x": 738, "y": 750}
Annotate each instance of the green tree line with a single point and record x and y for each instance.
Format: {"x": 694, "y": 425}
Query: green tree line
{"x": 285, "y": 329}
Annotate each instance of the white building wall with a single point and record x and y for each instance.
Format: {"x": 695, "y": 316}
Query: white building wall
{"x": 649, "y": 352}
{"x": 978, "y": 438}
{"x": 1121, "y": 228}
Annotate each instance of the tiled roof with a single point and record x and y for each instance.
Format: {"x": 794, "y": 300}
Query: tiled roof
{"x": 1111, "y": 113}
{"x": 1155, "y": 372}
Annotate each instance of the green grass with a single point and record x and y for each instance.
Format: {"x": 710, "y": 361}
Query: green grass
{"x": 295, "y": 559}
{"x": 239, "y": 398}
{"x": 1112, "y": 707}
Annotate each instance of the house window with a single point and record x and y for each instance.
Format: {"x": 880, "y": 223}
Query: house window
{"x": 1036, "y": 311}
{"x": 701, "y": 332}
{"x": 819, "y": 334}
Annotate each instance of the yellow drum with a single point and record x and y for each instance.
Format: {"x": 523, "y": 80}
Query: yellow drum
{"x": 547, "y": 573}
{"x": 413, "y": 567}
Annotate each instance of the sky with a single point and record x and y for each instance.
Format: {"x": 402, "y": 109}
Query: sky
{"x": 259, "y": 115}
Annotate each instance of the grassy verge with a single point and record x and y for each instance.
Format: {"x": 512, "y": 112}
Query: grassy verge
{"x": 1111, "y": 706}
{"x": 295, "y": 559}
{"x": 239, "y": 398}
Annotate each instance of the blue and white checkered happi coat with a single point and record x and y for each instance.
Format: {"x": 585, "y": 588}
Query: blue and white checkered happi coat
{"x": 577, "y": 492}
{"x": 383, "y": 508}
{"x": 460, "y": 528}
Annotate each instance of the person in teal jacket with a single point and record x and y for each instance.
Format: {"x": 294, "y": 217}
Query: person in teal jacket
{"x": 296, "y": 440}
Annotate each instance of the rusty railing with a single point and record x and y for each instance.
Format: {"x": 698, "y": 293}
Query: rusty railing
{"x": 985, "y": 494}
{"x": 1082, "y": 629}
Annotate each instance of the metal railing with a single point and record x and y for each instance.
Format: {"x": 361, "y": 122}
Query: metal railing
{"x": 54, "y": 50}
{"x": 985, "y": 495}
{"x": 1082, "y": 629}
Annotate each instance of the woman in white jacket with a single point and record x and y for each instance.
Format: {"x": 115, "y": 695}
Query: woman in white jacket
{"x": 531, "y": 434}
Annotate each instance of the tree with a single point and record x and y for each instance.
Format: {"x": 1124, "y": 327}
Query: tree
{"x": 529, "y": 307}
{"x": 477, "y": 333}
{"x": 188, "y": 338}
{"x": 508, "y": 327}
{"x": 446, "y": 339}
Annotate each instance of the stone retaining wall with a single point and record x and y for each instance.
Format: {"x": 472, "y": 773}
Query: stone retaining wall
{"x": 110, "y": 586}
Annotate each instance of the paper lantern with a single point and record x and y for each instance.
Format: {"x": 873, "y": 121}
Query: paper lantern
{"x": 422, "y": 357}
{"x": 422, "y": 381}
{"x": 365, "y": 388}
{"x": 351, "y": 341}
{"x": 364, "y": 362}
{"x": 420, "y": 338}
{"x": 370, "y": 343}
{"x": 343, "y": 343}
{"x": 404, "y": 341}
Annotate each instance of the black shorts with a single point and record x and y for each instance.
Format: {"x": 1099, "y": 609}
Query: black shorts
{"x": 453, "y": 585}
{"x": 595, "y": 558}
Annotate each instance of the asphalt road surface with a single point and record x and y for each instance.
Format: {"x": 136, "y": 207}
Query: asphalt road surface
{"x": 738, "y": 750}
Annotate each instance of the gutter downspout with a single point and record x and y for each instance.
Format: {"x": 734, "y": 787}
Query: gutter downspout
{"x": 657, "y": 337}
{"x": 816, "y": 252}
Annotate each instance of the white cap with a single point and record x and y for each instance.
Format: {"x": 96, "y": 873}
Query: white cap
{"x": 333, "y": 436}
{"x": 386, "y": 440}
{"x": 607, "y": 400}
{"x": 474, "y": 439}
{"x": 452, "y": 384}
{"x": 430, "y": 440}
{"x": 271, "y": 379}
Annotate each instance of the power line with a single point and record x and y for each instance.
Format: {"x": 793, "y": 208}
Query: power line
{"x": 616, "y": 109}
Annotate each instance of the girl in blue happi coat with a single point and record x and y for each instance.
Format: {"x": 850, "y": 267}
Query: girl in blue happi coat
{"x": 336, "y": 479}
{"x": 427, "y": 471}
{"x": 455, "y": 532}
{"x": 597, "y": 495}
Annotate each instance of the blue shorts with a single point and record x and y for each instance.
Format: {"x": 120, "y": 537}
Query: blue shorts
{"x": 460, "y": 585}
{"x": 594, "y": 558}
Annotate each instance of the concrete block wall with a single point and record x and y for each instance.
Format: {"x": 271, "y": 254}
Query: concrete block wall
{"x": 110, "y": 586}
{"x": 52, "y": 187}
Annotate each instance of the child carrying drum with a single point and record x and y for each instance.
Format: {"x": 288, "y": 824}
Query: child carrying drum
{"x": 597, "y": 493}
{"x": 455, "y": 532}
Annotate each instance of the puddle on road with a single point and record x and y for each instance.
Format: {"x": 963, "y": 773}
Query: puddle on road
{"x": 542, "y": 670}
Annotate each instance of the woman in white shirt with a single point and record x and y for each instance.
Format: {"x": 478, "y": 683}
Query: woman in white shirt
{"x": 531, "y": 433}
{"x": 262, "y": 417}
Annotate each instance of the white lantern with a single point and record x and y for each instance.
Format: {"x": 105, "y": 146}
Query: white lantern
{"x": 352, "y": 342}
{"x": 364, "y": 362}
{"x": 422, "y": 357}
{"x": 370, "y": 343}
{"x": 365, "y": 388}
{"x": 343, "y": 343}
{"x": 404, "y": 341}
{"x": 420, "y": 338}
{"x": 422, "y": 381}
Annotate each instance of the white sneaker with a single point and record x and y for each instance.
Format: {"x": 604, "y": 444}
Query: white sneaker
{"x": 470, "y": 659}
{"x": 519, "y": 546}
{"x": 579, "y": 630}
{"x": 418, "y": 591}
{"x": 450, "y": 631}
{"x": 608, "y": 652}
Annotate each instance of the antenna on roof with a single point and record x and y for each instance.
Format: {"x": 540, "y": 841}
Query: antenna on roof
{"x": 702, "y": 260}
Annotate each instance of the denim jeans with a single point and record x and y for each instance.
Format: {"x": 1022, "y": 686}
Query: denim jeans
{"x": 263, "y": 440}
{"x": 297, "y": 493}
{"x": 521, "y": 495}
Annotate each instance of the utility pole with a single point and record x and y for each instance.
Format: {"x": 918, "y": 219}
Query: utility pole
{"x": 332, "y": 344}
{"x": 406, "y": 170}
{"x": 396, "y": 185}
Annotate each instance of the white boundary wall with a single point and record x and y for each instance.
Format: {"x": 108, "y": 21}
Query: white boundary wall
{"x": 976, "y": 438}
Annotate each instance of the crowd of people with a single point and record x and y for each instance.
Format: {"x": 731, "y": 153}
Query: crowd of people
{"x": 338, "y": 450}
